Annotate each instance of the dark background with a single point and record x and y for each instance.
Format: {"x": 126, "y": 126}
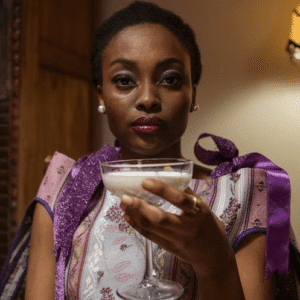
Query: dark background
{"x": 5, "y": 220}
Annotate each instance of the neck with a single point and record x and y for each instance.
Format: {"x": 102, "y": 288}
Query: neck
{"x": 172, "y": 152}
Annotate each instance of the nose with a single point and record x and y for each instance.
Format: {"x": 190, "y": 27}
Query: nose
{"x": 148, "y": 99}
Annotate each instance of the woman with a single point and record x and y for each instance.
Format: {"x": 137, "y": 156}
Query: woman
{"x": 146, "y": 66}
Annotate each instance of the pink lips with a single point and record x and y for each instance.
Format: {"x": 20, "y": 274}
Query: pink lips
{"x": 147, "y": 125}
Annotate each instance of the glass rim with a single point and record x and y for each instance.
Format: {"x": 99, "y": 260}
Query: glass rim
{"x": 128, "y": 162}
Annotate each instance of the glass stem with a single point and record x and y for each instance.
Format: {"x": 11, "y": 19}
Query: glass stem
{"x": 150, "y": 272}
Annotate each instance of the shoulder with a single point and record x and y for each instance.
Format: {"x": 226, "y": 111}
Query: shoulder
{"x": 56, "y": 174}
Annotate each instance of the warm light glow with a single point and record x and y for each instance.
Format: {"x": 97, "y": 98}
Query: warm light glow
{"x": 294, "y": 42}
{"x": 295, "y": 27}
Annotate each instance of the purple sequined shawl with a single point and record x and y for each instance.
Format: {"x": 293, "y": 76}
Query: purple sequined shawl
{"x": 85, "y": 177}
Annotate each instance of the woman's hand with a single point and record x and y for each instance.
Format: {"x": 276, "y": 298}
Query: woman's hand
{"x": 196, "y": 236}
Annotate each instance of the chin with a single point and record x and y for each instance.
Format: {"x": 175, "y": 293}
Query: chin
{"x": 155, "y": 150}
{"x": 148, "y": 152}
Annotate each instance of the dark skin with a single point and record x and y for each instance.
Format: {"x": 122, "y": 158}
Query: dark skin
{"x": 134, "y": 87}
{"x": 155, "y": 80}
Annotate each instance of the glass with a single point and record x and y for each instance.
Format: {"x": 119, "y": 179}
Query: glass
{"x": 125, "y": 177}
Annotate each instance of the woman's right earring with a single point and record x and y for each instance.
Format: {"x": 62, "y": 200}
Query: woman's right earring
{"x": 196, "y": 107}
{"x": 101, "y": 109}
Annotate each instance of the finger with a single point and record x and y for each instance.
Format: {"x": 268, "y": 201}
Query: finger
{"x": 151, "y": 217}
{"x": 168, "y": 245}
{"x": 176, "y": 245}
{"x": 195, "y": 209}
{"x": 184, "y": 201}
{"x": 189, "y": 191}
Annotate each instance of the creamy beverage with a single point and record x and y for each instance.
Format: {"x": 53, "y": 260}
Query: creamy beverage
{"x": 129, "y": 183}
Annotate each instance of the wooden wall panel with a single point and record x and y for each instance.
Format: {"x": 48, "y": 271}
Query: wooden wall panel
{"x": 28, "y": 99}
{"x": 64, "y": 114}
{"x": 56, "y": 87}
{"x": 67, "y": 23}
{"x": 54, "y": 57}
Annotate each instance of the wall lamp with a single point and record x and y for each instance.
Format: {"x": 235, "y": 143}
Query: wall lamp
{"x": 293, "y": 47}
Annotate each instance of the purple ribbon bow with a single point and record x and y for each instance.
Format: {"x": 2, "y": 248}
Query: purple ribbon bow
{"x": 85, "y": 177}
{"x": 278, "y": 195}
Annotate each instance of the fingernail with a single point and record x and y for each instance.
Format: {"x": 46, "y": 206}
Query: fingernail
{"x": 148, "y": 182}
{"x": 126, "y": 200}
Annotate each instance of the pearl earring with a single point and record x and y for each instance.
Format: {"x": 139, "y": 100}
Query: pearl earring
{"x": 196, "y": 107}
{"x": 101, "y": 109}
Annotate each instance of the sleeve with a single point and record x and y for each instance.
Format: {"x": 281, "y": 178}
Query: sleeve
{"x": 54, "y": 180}
{"x": 245, "y": 213}
{"x": 13, "y": 273}
{"x": 240, "y": 202}
{"x": 252, "y": 195}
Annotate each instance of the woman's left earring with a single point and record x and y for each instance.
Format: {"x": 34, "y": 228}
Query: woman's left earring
{"x": 101, "y": 109}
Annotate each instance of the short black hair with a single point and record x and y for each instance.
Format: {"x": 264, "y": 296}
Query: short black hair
{"x": 138, "y": 13}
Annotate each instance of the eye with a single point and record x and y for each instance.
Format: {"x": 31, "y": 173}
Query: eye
{"x": 172, "y": 80}
{"x": 123, "y": 81}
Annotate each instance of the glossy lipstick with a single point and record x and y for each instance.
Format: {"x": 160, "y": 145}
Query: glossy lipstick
{"x": 147, "y": 125}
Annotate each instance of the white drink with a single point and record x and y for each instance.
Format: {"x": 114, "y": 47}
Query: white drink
{"x": 129, "y": 183}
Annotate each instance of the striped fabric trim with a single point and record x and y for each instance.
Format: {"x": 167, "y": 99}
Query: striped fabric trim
{"x": 11, "y": 288}
{"x": 81, "y": 240}
{"x": 20, "y": 245}
{"x": 240, "y": 192}
{"x": 248, "y": 195}
{"x": 88, "y": 233}
{"x": 220, "y": 200}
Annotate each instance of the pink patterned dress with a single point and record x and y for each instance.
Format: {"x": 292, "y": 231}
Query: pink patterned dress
{"x": 107, "y": 252}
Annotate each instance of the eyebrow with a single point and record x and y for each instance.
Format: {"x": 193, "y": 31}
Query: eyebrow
{"x": 160, "y": 64}
{"x": 123, "y": 61}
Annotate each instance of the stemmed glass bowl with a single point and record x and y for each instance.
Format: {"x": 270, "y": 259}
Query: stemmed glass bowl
{"x": 124, "y": 177}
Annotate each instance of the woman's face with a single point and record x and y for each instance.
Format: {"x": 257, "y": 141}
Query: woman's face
{"x": 147, "y": 89}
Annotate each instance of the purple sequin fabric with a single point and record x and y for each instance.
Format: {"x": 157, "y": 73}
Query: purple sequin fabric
{"x": 227, "y": 152}
{"x": 85, "y": 177}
